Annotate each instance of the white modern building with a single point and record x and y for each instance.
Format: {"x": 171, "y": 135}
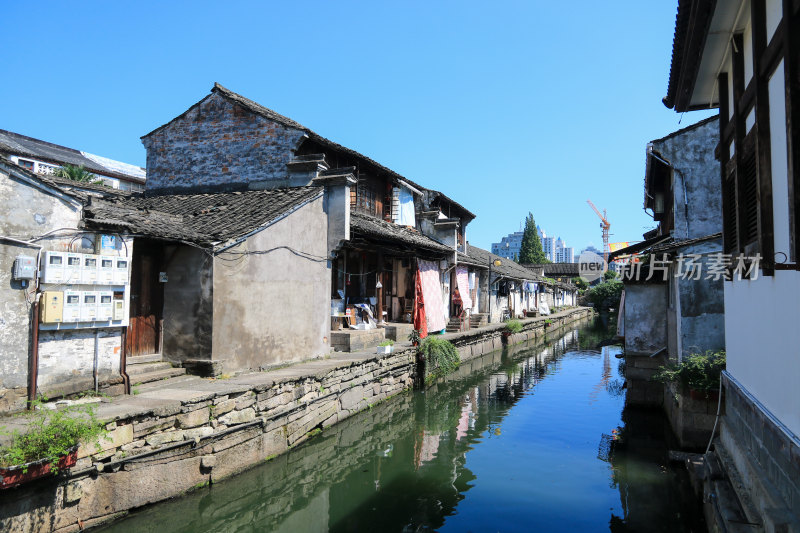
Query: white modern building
{"x": 742, "y": 57}
{"x": 45, "y": 158}
{"x": 509, "y": 246}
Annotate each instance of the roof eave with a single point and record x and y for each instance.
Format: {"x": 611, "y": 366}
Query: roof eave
{"x": 692, "y": 23}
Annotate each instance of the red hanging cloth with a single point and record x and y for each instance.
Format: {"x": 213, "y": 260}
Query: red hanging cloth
{"x": 420, "y": 321}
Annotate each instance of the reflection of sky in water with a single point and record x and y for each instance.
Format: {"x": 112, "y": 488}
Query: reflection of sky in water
{"x": 515, "y": 441}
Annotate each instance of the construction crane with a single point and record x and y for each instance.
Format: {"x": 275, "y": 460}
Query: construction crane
{"x": 604, "y": 224}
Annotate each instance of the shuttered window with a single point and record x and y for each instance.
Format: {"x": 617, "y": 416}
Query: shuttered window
{"x": 740, "y": 189}
{"x": 730, "y": 231}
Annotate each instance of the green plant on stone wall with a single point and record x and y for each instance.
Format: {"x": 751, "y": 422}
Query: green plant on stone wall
{"x": 513, "y": 325}
{"x": 387, "y": 342}
{"x": 441, "y": 356}
{"x": 51, "y": 434}
{"x": 700, "y": 372}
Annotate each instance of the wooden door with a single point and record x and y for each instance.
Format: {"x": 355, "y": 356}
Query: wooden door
{"x": 147, "y": 299}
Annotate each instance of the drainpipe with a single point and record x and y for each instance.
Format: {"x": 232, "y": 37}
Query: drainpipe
{"x": 96, "y": 350}
{"x": 33, "y": 371}
{"x": 123, "y": 362}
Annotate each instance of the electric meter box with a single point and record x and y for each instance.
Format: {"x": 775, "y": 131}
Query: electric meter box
{"x": 51, "y": 307}
{"x": 72, "y": 269}
{"x": 121, "y": 265}
{"x": 24, "y": 267}
{"x": 104, "y": 244}
{"x": 119, "y": 309}
{"x": 89, "y": 269}
{"x": 105, "y": 271}
{"x": 72, "y": 306}
{"x": 88, "y": 306}
{"x": 105, "y": 305}
{"x": 53, "y": 267}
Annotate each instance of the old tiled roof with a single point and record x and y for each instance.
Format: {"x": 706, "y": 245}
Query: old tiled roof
{"x": 49, "y": 181}
{"x": 556, "y": 269}
{"x": 205, "y": 219}
{"x": 81, "y": 186}
{"x": 507, "y": 268}
{"x": 671, "y": 245}
{"x": 446, "y": 198}
{"x": 691, "y": 28}
{"x": 639, "y": 246}
{"x": 379, "y": 230}
{"x": 20, "y": 145}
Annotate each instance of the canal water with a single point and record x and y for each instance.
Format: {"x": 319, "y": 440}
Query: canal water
{"x": 532, "y": 438}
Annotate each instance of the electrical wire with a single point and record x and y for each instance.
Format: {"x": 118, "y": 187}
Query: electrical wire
{"x": 305, "y": 255}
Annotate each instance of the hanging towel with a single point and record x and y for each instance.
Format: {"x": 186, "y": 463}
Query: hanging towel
{"x": 462, "y": 277}
{"x": 406, "y": 212}
{"x": 420, "y": 322}
{"x": 432, "y": 294}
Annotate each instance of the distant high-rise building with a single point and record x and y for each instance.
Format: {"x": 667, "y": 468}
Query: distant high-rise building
{"x": 565, "y": 255}
{"x": 555, "y": 249}
{"x": 509, "y": 246}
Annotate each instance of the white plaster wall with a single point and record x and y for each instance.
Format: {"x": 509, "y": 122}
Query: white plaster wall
{"x": 70, "y": 354}
{"x": 272, "y": 306}
{"x": 774, "y": 14}
{"x": 728, "y": 67}
{"x": 27, "y": 211}
{"x": 779, "y": 158}
{"x": 747, "y": 42}
{"x": 763, "y": 341}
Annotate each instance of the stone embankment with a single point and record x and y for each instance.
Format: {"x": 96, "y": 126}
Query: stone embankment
{"x": 176, "y": 436}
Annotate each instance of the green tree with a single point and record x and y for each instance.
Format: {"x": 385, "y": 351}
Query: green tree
{"x": 77, "y": 173}
{"x": 581, "y": 283}
{"x": 531, "y": 249}
{"x": 609, "y": 274}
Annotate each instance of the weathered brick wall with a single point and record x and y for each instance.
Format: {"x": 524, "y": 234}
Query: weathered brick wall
{"x": 66, "y": 359}
{"x": 219, "y": 144}
{"x": 761, "y": 459}
{"x": 692, "y": 154}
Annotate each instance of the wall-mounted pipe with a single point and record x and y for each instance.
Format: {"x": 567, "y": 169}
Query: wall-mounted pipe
{"x": 123, "y": 362}
{"x": 96, "y": 359}
{"x": 33, "y": 370}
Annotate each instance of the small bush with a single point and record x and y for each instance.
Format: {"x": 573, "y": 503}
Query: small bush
{"x": 440, "y": 355}
{"x": 700, "y": 372}
{"x": 51, "y": 434}
{"x": 513, "y": 326}
{"x": 387, "y": 342}
{"x": 605, "y": 295}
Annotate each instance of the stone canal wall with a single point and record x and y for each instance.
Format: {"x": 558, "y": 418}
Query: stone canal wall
{"x": 479, "y": 341}
{"x": 179, "y": 439}
{"x": 174, "y": 438}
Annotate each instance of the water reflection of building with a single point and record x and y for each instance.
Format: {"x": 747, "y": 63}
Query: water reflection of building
{"x": 654, "y": 495}
{"x": 401, "y": 463}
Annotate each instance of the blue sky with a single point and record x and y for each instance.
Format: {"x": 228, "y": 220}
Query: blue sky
{"x": 507, "y": 107}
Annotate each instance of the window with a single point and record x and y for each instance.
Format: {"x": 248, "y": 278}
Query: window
{"x": 741, "y": 199}
{"x": 24, "y": 163}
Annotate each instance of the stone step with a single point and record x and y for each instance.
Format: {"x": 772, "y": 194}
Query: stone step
{"x": 157, "y": 376}
{"x": 146, "y": 368}
{"x": 168, "y": 382}
{"x": 151, "y": 358}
